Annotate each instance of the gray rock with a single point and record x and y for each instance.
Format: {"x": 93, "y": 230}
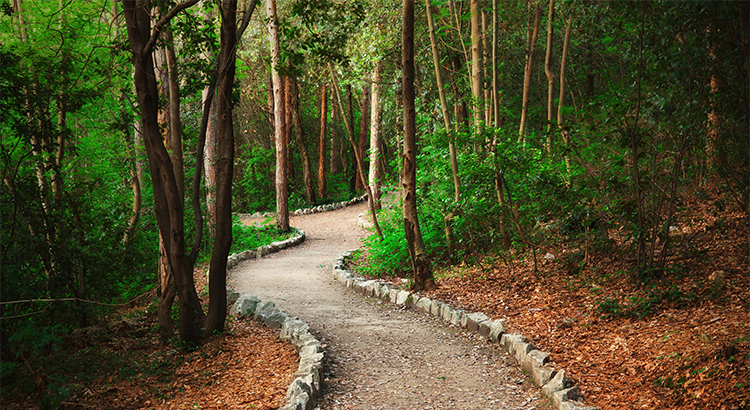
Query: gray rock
{"x": 262, "y": 306}
{"x": 542, "y": 375}
{"x": 435, "y": 308}
{"x": 402, "y": 297}
{"x": 245, "y": 306}
{"x": 497, "y": 329}
{"x": 534, "y": 358}
{"x": 473, "y": 320}
{"x": 457, "y": 317}
{"x": 573, "y": 393}
{"x": 575, "y": 405}
{"x": 232, "y": 296}
{"x": 423, "y": 305}
{"x": 557, "y": 383}
{"x": 446, "y": 312}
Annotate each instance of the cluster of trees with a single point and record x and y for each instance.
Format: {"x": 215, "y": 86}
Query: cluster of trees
{"x": 632, "y": 104}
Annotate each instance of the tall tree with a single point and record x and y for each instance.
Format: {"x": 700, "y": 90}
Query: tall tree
{"x": 420, "y": 262}
{"x": 323, "y": 113}
{"x": 279, "y": 114}
{"x": 299, "y": 137}
{"x": 363, "y": 129}
{"x": 167, "y": 201}
{"x": 376, "y": 173}
{"x": 477, "y": 68}
{"x": 527, "y": 72}
{"x": 549, "y": 73}
{"x": 217, "y": 290}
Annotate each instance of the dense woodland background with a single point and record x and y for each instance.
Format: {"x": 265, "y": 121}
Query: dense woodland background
{"x": 595, "y": 118}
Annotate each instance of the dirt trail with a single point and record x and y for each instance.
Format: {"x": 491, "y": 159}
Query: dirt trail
{"x": 379, "y": 356}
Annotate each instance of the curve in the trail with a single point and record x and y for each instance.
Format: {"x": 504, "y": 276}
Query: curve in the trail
{"x": 379, "y": 356}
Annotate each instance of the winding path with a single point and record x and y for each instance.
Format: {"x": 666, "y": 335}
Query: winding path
{"x": 379, "y": 356}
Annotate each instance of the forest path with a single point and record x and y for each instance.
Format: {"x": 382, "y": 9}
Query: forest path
{"x": 379, "y": 356}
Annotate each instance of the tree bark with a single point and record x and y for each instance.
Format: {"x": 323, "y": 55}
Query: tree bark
{"x": 476, "y": 66}
{"x": 375, "y": 152}
{"x": 561, "y": 98}
{"x": 363, "y": 128}
{"x": 357, "y": 158}
{"x": 169, "y": 208}
{"x": 217, "y": 305}
{"x": 279, "y": 112}
{"x": 548, "y": 72}
{"x": 299, "y": 137}
{"x": 527, "y": 76}
{"x": 322, "y": 144}
{"x": 419, "y": 260}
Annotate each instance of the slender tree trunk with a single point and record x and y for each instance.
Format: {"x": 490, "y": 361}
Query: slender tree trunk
{"x": 322, "y": 144}
{"x": 448, "y": 220}
{"x": 363, "y": 128}
{"x": 477, "y": 68}
{"x": 299, "y": 137}
{"x": 334, "y": 139}
{"x": 357, "y": 157}
{"x": 375, "y": 152}
{"x": 288, "y": 127}
{"x": 209, "y": 151}
{"x": 561, "y": 98}
{"x": 504, "y": 218}
{"x": 527, "y": 75}
{"x": 217, "y": 305}
{"x": 282, "y": 193}
{"x": 419, "y": 260}
{"x": 548, "y": 72}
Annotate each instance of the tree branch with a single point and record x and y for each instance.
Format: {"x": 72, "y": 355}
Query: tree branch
{"x": 163, "y": 22}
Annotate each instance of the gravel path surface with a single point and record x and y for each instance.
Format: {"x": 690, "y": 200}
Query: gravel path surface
{"x": 379, "y": 356}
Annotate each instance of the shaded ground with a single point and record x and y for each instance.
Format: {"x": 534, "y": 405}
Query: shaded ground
{"x": 379, "y": 356}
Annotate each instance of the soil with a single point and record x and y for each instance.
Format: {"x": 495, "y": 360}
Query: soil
{"x": 379, "y": 356}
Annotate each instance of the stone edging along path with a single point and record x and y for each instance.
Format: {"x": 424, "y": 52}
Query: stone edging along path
{"x": 554, "y": 384}
{"x": 306, "y": 388}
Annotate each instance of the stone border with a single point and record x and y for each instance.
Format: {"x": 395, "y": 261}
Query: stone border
{"x": 311, "y": 210}
{"x": 554, "y": 383}
{"x": 306, "y": 388}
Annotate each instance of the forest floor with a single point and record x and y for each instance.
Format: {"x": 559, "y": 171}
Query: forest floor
{"x": 679, "y": 341}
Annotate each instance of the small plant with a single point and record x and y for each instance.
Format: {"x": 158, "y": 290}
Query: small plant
{"x": 610, "y": 308}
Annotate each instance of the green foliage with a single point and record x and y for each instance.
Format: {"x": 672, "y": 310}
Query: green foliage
{"x": 246, "y": 237}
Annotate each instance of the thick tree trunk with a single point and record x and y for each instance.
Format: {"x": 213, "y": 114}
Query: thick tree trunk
{"x": 419, "y": 260}
{"x": 322, "y": 144}
{"x": 279, "y": 112}
{"x": 299, "y": 137}
{"x": 527, "y": 75}
{"x": 169, "y": 208}
{"x": 217, "y": 305}
{"x": 375, "y": 151}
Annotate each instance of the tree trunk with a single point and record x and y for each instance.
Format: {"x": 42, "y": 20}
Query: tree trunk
{"x": 288, "y": 127}
{"x": 334, "y": 140}
{"x": 363, "y": 128}
{"x": 358, "y": 159}
{"x": 527, "y": 76}
{"x": 375, "y": 152}
{"x": 209, "y": 151}
{"x": 279, "y": 112}
{"x": 419, "y": 261}
{"x": 476, "y": 66}
{"x": 548, "y": 72}
{"x": 299, "y": 137}
{"x": 169, "y": 208}
{"x": 561, "y": 98}
{"x": 217, "y": 305}
{"x": 322, "y": 144}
